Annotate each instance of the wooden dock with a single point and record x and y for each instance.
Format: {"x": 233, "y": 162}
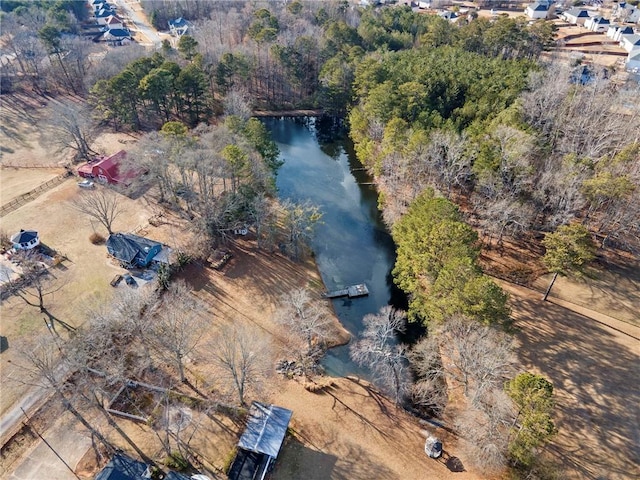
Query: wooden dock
{"x": 353, "y": 291}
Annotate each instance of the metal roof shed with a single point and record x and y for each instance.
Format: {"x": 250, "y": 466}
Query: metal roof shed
{"x": 260, "y": 443}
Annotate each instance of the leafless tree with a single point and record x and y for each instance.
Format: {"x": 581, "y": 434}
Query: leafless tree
{"x": 177, "y": 326}
{"x": 237, "y": 103}
{"x": 308, "y": 318}
{"x": 469, "y": 355}
{"x": 486, "y": 428}
{"x": 103, "y": 205}
{"x": 37, "y": 283}
{"x": 243, "y": 358}
{"x": 379, "y": 350}
{"x": 44, "y": 368}
{"x": 71, "y": 128}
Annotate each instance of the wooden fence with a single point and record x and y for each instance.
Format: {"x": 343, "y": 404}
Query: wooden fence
{"x": 33, "y": 194}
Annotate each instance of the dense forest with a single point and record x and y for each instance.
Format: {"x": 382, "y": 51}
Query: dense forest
{"x": 469, "y": 132}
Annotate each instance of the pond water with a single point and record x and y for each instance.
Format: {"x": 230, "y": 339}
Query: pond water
{"x": 351, "y": 244}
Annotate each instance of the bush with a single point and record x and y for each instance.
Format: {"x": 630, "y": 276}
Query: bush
{"x": 228, "y": 461}
{"x": 177, "y": 462}
{"x": 96, "y": 238}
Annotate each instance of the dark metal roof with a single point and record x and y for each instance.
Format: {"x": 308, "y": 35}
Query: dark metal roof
{"x": 24, "y": 236}
{"x": 266, "y": 428}
{"x": 122, "y": 467}
{"x": 126, "y": 247}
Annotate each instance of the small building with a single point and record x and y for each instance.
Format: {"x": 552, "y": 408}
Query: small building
{"x": 102, "y": 15}
{"x": 633, "y": 61}
{"x": 109, "y": 169}
{"x": 630, "y": 42}
{"x": 576, "y": 16}
{"x": 121, "y": 467}
{"x": 537, "y": 10}
{"x": 178, "y": 27}
{"x": 261, "y": 441}
{"x": 449, "y": 16}
{"x": 625, "y": 12}
{"x": 597, "y": 24}
{"x": 131, "y": 250}
{"x": 117, "y": 36}
{"x": 25, "y": 240}
{"x": 113, "y": 22}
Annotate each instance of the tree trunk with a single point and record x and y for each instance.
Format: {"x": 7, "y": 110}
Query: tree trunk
{"x": 546, "y": 294}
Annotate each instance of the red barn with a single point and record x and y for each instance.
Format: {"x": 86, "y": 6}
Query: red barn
{"x": 107, "y": 170}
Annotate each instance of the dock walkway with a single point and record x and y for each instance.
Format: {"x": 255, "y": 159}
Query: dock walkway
{"x": 353, "y": 291}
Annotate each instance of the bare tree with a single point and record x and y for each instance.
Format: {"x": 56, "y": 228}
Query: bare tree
{"x": 486, "y": 428}
{"x": 103, "y": 205}
{"x": 379, "y": 350}
{"x": 177, "y": 326}
{"x": 475, "y": 357}
{"x": 45, "y": 369}
{"x": 36, "y": 284}
{"x": 308, "y": 318}
{"x": 237, "y": 103}
{"x": 71, "y": 128}
{"x": 244, "y": 358}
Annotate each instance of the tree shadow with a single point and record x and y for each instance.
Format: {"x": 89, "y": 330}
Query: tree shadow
{"x": 297, "y": 460}
{"x": 591, "y": 367}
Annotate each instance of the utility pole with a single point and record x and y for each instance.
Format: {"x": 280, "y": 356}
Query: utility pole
{"x": 47, "y": 443}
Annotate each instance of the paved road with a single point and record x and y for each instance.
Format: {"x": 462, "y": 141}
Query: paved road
{"x": 68, "y": 441}
{"x": 131, "y": 12}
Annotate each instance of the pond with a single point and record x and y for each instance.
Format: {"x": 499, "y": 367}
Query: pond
{"x": 351, "y": 245}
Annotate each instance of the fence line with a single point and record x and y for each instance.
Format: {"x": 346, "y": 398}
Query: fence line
{"x": 31, "y": 195}
{"x": 29, "y": 165}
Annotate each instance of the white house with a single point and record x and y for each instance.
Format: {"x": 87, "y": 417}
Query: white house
{"x": 633, "y": 61}
{"x": 117, "y": 36}
{"x": 576, "y": 16}
{"x": 626, "y": 13}
{"x": 449, "y": 15}
{"x": 25, "y": 240}
{"x": 616, "y": 31}
{"x": 178, "y": 27}
{"x": 597, "y": 24}
{"x": 630, "y": 42}
{"x": 113, "y": 22}
{"x": 537, "y": 10}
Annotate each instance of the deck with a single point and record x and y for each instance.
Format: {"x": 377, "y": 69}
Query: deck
{"x": 353, "y": 291}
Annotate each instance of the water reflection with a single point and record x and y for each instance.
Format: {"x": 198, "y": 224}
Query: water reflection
{"x": 351, "y": 245}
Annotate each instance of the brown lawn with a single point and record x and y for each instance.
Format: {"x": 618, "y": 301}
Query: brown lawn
{"x": 348, "y": 431}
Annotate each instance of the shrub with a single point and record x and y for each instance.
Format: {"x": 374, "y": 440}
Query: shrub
{"x": 228, "y": 461}
{"x": 177, "y": 462}
{"x": 96, "y": 238}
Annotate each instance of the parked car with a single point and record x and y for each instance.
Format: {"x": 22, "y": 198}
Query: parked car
{"x": 86, "y": 184}
{"x": 130, "y": 280}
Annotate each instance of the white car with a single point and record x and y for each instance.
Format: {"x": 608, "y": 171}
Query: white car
{"x": 86, "y": 184}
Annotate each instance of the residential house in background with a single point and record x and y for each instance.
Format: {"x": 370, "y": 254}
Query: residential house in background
{"x": 630, "y": 42}
{"x": 625, "y": 12}
{"x": 178, "y": 27}
{"x": 113, "y": 22}
{"x": 117, "y": 36}
{"x": 633, "y": 61}
{"x": 597, "y": 24}
{"x": 616, "y": 31}
{"x": 576, "y": 16}
{"x": 537, "y": 10}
